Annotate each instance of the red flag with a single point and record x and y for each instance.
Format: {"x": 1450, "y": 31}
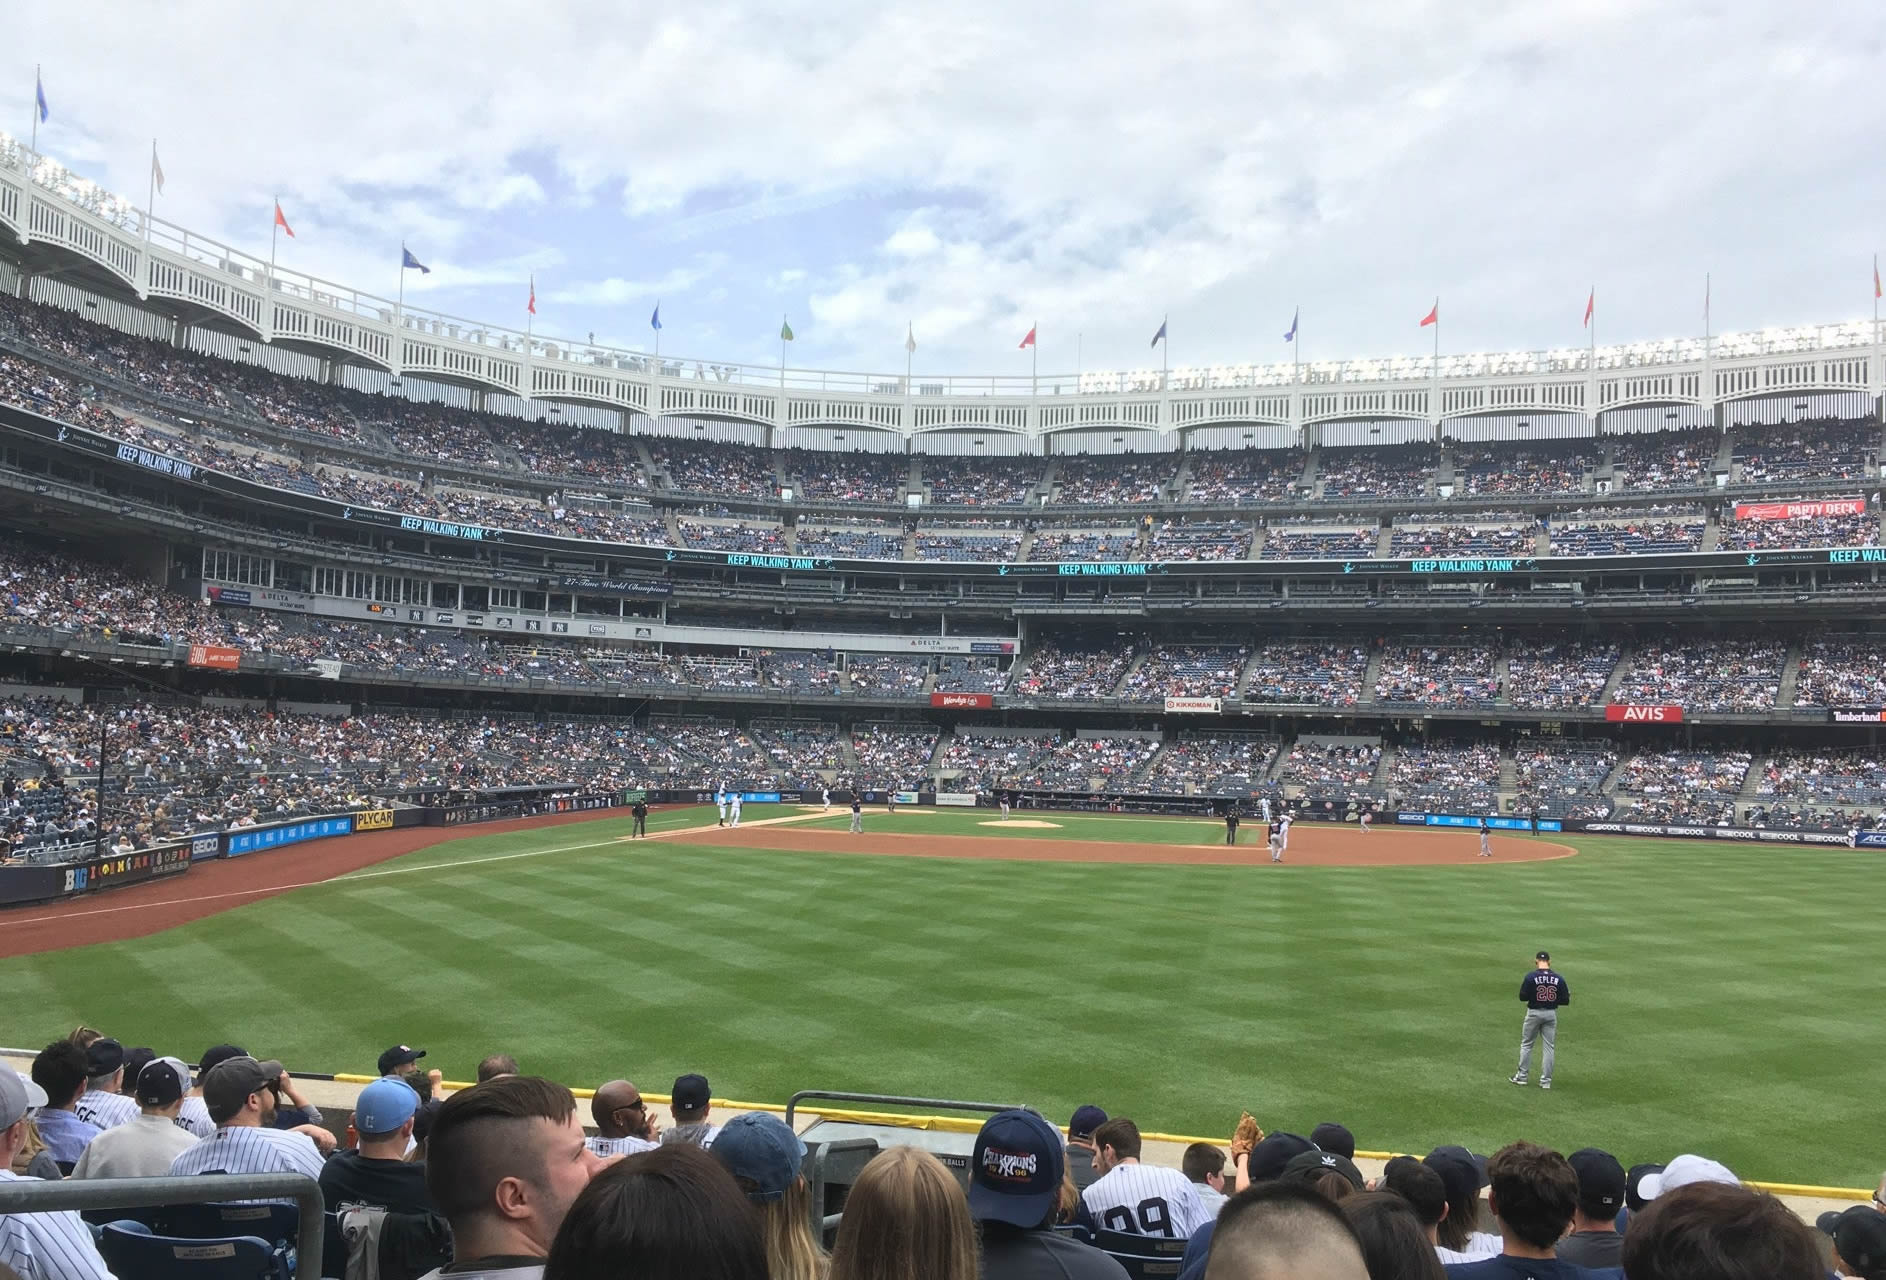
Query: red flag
{"x": 1432, "y": 317}
{"x": 1029, "y": 341}
{"x": 532, "y": 307}
{"x": 283, "y": 222}
{"x": 1590, "y": 304}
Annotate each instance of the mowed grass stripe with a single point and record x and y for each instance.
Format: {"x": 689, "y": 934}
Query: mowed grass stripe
{"x": 1717, "y": 989}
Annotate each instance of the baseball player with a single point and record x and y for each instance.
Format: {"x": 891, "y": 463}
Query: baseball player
{"x": 720, "y": 803}
{"x": 1276, "y": 842}
{"x": 825, "y": 798}
{"x": 1366, "y": 821}
{"x": 640, "y": 813}
{"x": 1263, "y": 807}
{"x": 1853, "y": 837}
{"x": 733, "y": 809}
{"x": 1002, "y": 799}
{"x": 857, "y": 813}
{"x": 890, "y": 800}
{"x": 1544, "y": 993}
{"x": 1486, "y": 841}
{"x": 1139, "y": 1199}
{"x": 1231, "y": 825}
{"x": 1283, "y": 830}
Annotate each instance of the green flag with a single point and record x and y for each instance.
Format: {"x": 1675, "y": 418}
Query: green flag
{"x": 785, "y": 330}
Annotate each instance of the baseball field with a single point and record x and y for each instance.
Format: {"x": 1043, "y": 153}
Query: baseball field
{"x": 1723, "y": 997}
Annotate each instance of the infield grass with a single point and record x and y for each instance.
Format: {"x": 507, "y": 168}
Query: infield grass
{"x": 1723, "y": 995}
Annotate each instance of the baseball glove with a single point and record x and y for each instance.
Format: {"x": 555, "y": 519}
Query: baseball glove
{"x": 1246, "y": 1135}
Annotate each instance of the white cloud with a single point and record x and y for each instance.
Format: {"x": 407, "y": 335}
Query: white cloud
{"x": 978, "y": 165}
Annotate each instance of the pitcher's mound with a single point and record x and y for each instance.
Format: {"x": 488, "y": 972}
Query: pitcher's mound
{"x": 1017, "y": 822}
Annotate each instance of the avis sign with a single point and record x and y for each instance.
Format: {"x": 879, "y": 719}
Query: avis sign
{"x": 1627, "y": 713}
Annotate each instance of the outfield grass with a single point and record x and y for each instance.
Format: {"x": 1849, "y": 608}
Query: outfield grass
{"x": 1723, "y": 994}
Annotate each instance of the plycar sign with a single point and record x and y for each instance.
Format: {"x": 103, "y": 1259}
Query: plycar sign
{"x": 1628, "y": 713}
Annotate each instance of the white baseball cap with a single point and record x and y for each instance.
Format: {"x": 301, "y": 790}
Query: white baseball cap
{"x": 1681, "y": 1172}
{"x": 18, "y": 1096}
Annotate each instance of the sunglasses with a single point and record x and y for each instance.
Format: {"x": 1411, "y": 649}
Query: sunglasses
{"x": 637, "y": 1105}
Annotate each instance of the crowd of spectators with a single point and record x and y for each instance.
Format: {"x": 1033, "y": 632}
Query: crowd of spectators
{"x": 1563, "y": 779}
{"x": 722, "y": 470}
{"x": 1860, "y": 529}
{"x": 1816, "y": 449}
{"x": 803, "y": 753}
{"x": 1829, "y": 790}
{"x": 1634, "y": 536}
{"x": 1243, "y": 475}
{"x": 878, "y": 543}
{"x": 1455, "y": 777}
{"x": 897, "y": 749}
{"x": 1064, "y": 671}
{"x": 1686, "y": 786}
{"x": 959, "y": 674}
{"x": 888, "y": 674}
{"x": 823, "y": 476}
{"x": 984, "y": 548}
{"x": 1200, "y": 540}
{"x": 1422, "y": 540}
{"x": 1112, "y": 480}
{"x": 981, "y": 482}
{"x": 983, "y": 762}
{"x": 1842, "y": 672}
{"x": 1376, "y": 471}
{"x": 1664, "y": 460}
{"x": 1186, "y": 671}
{"x": 804, "y": 672}
{"x": 1333, "y": 770}
{"x": 1325, "y": 673}
{"x": 1557, "y": 677}
{"x": 1320, "y": 544}
{"x": 1701, "y": 675}
{"x": 1084, "y": 544}
{"x": 1232, "y": 764}
{"x": 1101, "y": 764}
{"x": 1438, "y": 675}
{"x": 1533, "y": 468}
{"x": 761, "y": 539}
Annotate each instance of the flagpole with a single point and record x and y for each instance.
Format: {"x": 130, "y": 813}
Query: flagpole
{"x": 1165, "y": 357}
{"x": 150, "y": 201}
{"x": 782, "y": 353}
{"x": 1034, "y": 362}
{"x": 274, "y": 234}
{"x": 1080, "y": 345}
{"x": 1881, "y": 400}
{"x": 1296, "y": 370}
{"x": 38, "y": 89}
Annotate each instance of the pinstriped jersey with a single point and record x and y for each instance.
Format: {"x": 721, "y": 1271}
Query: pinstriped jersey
{"x": 106, "y": 1110}
{"x": 1146, "y": 1200}
{"x": 196, "y": 1118}
{"x": 48, "y": 1246}
{"x": 234, "y": 1149}
{"x": 606, "y": 1147}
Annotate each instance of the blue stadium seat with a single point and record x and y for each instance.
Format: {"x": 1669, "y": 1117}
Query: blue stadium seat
{"x": 1144, "y": 1257}
{"x": 275, "y": 1223}
{"x": 130, "y": 1250}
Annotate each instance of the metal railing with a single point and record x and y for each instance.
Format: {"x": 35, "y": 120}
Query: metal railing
{"x": 31, "y": 1196}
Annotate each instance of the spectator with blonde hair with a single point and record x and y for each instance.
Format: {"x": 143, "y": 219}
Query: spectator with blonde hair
{"x": 906, "y": 1219}
{"x": 764, "y": 1156}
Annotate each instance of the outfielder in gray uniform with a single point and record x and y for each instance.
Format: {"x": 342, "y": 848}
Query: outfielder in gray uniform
{"x": 1544, "y": 993}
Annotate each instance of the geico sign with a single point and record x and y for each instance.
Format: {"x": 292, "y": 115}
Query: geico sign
{"x": 1622, "y": 712}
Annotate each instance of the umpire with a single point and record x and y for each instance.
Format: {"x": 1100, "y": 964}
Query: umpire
{"x": 639, "y": 811}
{"x": 1545, "y": 993}
{"x": 1232, "y": 818}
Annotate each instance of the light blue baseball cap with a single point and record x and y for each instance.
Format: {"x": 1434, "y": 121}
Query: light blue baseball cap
{"x": 384, "y": 1106}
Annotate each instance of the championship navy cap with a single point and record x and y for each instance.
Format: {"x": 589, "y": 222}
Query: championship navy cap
{"x": 103, "y": 1057}
{"x": 398, "y": 1056}
{"x": 1330, "y": 1136}
{"x": 1312, "y": 1165}
{"x": 1273, "y": 1152}
{"x": 1601, "y": 1181}
{"x": 1015, "y": 1170}
{"x": 1859, "y": 1238}
{"x": 691, "y": 1093}
{"x": 763, "y": 1150}
{"x": 18, "y": 1095}
{"x": 162, "y": 1081}
{"x": 1086, "y": 1119}
{"x": 384, "y": 1106}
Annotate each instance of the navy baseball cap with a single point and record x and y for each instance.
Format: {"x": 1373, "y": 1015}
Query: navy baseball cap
{"x": 1312, "y": 1165}
{"x": 1478, "y": 1163}
{"x": 1545, "y": 956}
{"x": 691, "y": 1093}
{"x": 1859, "y": 1238}
{"x": 1086, "y": 1120}
{"x": 215, "y": 1054}
{"x": 384, "y": 1106}
{"x": 1601, "y": 1182}
{"x": 103, "y": 1057}
{"x": 1330, "y": 1136}
{"x": 161, "y": 1081}
{"x": 398, "y": 1056}
{"x": 1634, "y": 1197}
{"x": 763, "y": 1150}
{"x": 1015, "y": 1170}
{"x": 1276, "y": 1150}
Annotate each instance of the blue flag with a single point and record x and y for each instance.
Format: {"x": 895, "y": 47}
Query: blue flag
{"x": 654, "y": 321}
{"x": 1158, "y": 337}
{"x": 1292, "y": 335}
{"x": 39, "y": 96}
{"x": 409, "y": 263}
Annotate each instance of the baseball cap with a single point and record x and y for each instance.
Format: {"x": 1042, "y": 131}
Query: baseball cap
{"x": 690, "y": 1093}
{"x": 1634, "y": 1198}
{"x": 1330, "y": 1136}
{"x": 1681, "y": 1172}
{"x": 18, "y": 1095}
{"x": 134, "y": 1060}
{"x": 217, "y": 1054}
{"x": 103, "y": 1057}
{"x": 1601, "y": 1182}
{"x": 1015, "y": 1169}
{"x": 1086, "y": 1120}
{"x": 1479, "y": 1163}
{"x": 1273, "y": 1152}
{"x": 1311, "y": 1165}
{"x": 162, "y": 1081}
{"x": 384, "y": 1106}
{"x": 762, "y": 1149}
{"x": 1859, "y": 1238}
{"x": 1545, "y": 956}
{"x": 398, "y": 1056}
{"x": 227, "y": 1087}
{"x": 1457, "y": 1176}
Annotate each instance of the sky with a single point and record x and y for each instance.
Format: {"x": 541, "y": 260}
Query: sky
{"x": 972, "y": 169}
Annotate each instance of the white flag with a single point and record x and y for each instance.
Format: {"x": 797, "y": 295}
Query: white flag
{"x": 910, "y": 339}
{"x": 157, "y": 170}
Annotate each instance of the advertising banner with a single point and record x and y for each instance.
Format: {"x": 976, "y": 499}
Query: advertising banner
{"x": 373, "y": 820}
{"x": 258, "y": 838}
{"x": 992, "y": 646}
{"x": 1206, "y": 706}
{"x": 958, "y": 799}
{"x": 206, "y": 844}
{"x": 1626, "y": 713}
{"x": 220, "y": 656}
{"x": 1473, "y": 821}
{"x": 1800, "y": 510}
{"x": 962, "y": 700}
{"x": 327, "y": 668}
{"x": 1747, "y": 835}
{"x": 1857, "y": 715}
